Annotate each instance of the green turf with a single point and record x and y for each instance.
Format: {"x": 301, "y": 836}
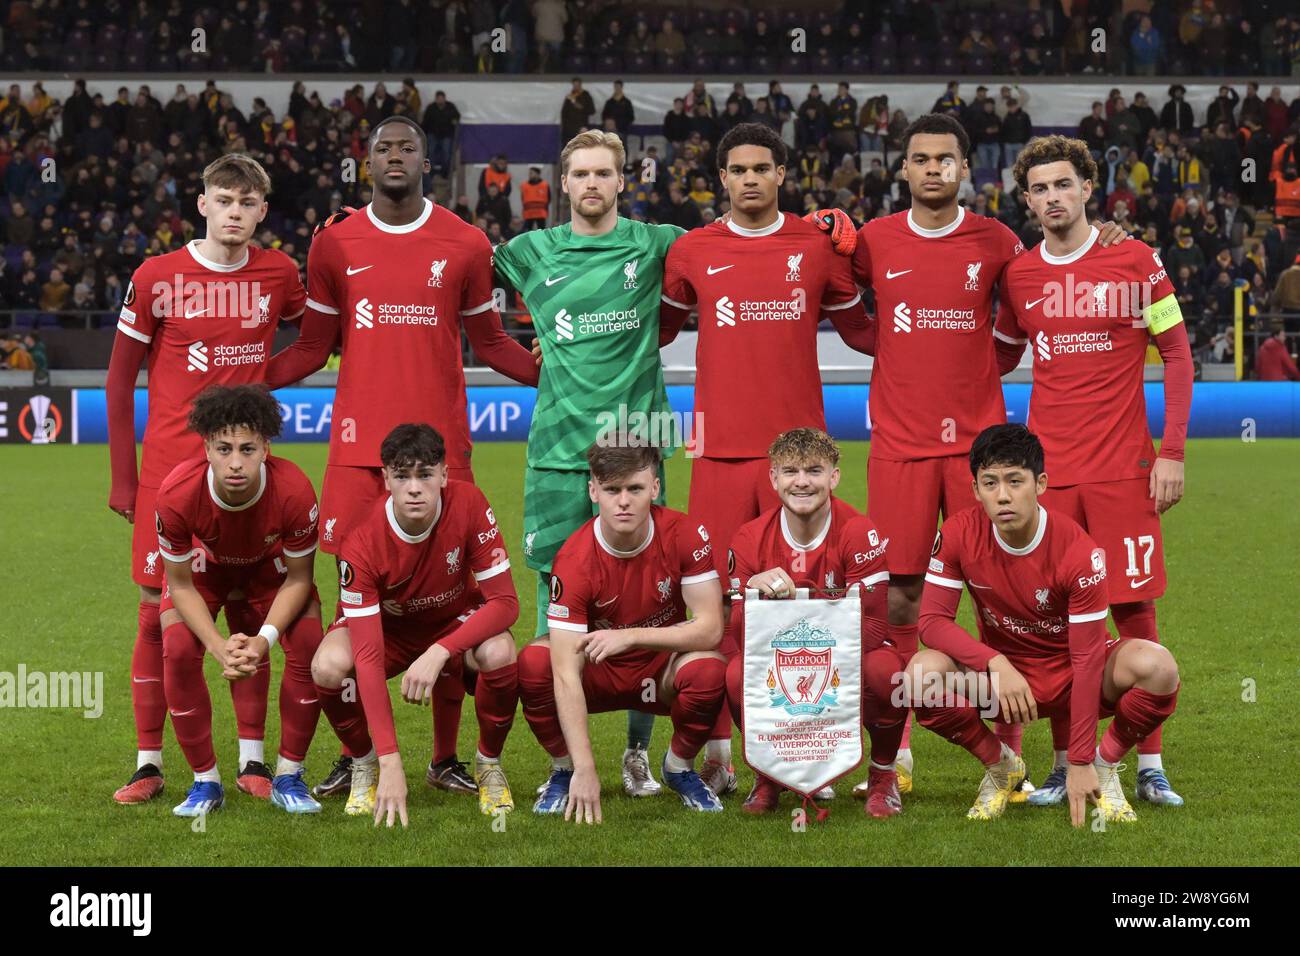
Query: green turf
{"x": 1229, "y": 616}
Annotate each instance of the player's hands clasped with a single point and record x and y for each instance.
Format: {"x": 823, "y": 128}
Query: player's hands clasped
{"x": 774, "y": 583}
{"x": 600, "y": 645}
{"x": 418, "y": 681}
{"x": 390, "y": 794}
{"x": 238, "y": 657}
{"x": 584, "y": 797}
{"x": 1081, "y": 783}
{"x": 1015, "y": 700}
{"x": 1166, "y": 484}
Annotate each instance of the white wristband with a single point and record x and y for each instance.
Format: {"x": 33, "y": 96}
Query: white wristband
{"x": 271, "y": 633}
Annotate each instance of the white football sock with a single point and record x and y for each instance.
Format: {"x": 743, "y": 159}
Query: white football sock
{"x": 676, "y": 764}
{"x": 284, "y": 765}
{"x": 250, "y": 750}
{"x": 877, "y": 766}
{"x": 1149, "y": 762}
{"x": 143, "y": 757}
{"x": 1062, "y": 759}
{"x": 562, "y": 763}
{"x": 208, "y": 776}
{"x": 719, "y": 750}
{"x": 1102, "y": 763}
{"x": 904, "y": 759}
{"x": 369, "y": 759}
{"x": 479, "y": 758}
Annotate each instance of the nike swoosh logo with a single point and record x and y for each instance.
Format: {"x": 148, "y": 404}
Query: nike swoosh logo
{"x": 1137, "y": 584}
{"x": 183, "y": 713}
{"x": 607, "y": 603}
{"x": 312, "y": 701}
{"x": 147, "y": 680}
{"x": 195, "y": 315}
{"x": 1030, "y": 305}
{"x": 352, "y": 271}
{"x": 712, "y": 271}
{"x": 550, "y": 282}
{"x": 889, "y": 274}
{"x": 982, "y": 587}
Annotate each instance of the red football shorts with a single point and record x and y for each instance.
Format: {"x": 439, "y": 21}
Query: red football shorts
{"x": 1051, "y": 679}
{"x": 626, "y": 682}
{"x": 146, "y": 561}
{"x": 905, "y": 499}
{"x": 405, "y": 641}
{"x": 347, "y": 494}
{"x": 725, "y": 494}
{"x": 1120, "y": 517}
{"x": 258, "y": 584}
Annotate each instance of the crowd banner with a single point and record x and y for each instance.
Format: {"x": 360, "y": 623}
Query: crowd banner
{"x": 802, "y": 704}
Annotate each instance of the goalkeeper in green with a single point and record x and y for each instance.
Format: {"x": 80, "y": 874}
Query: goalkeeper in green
{"x": 593, "y": 288}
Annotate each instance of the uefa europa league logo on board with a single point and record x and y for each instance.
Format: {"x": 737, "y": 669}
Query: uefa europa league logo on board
{"x": 43, "y": 426}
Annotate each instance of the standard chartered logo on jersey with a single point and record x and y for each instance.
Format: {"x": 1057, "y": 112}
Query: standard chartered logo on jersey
{"x": 369, "y": 314}
{"x": 728, "y": 311}
{"x": 568, "y": 326}
{"x": 955, "y": 320}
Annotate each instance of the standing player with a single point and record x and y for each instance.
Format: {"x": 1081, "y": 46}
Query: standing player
{"x": 425, "y": 588}
{"x": 592, "y": 287}
{"x": 247, "y": 521}
{"x": 203, "y": 315}
{"x": 395, "y": 282}
{"x": 619, "y": 637}
{"x": 814, "y": 540}
{"x": 761, "y": 282}
{"x": 935, "y": 383}
{"x": 1090, "y": 313}
{"x": 1038, "y": 581}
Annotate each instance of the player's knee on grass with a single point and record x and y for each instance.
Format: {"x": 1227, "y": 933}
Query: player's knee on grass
{"x": 332, "y": 662}
{"x": 496, "y": 652}
{"x": 904, "y": 598}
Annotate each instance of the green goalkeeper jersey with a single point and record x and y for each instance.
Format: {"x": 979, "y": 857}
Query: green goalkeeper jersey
{"x": 594, "y": 301}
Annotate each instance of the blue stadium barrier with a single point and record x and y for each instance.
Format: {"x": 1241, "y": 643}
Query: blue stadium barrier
{"x": 502, "y": 413}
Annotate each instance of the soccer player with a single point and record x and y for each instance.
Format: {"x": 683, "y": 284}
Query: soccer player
{"x": 395, "y": 283}
{"x": 1039, "y": 583}
{"x": 205, "y": 314}
{"x": 816, "y": 541}
{"x": 593, "y": 288}
{"x": 425, "y": 589}
{"x": 619, "y": 636}
{"x": 761, "y": 282}
{"x": 1091, "y": 313}
{"x": 935, "y": 383}
{"x": 238, "y": 520}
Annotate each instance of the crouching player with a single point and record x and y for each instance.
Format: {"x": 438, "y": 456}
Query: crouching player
{"x": 619, "y": 637}
{"x": 238, "y": 525}
{"x": 1039, "y": 586}
{"x": 425, "y": 588}
{"x": 814, "y": 540}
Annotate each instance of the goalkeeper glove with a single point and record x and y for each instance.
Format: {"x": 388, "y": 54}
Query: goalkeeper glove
{"x": 338, "y": 216}
{"x": 843, "y": 231}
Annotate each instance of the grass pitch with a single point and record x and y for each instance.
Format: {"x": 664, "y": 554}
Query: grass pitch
{"x": 1229, "y": 616}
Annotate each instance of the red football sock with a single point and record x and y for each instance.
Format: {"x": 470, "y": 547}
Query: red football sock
{"x": 537, "y": 690}
{"x": 962, "y": 726}
{"x": 250, "y": 699}
{"x": 147, "y": 699}
{"x": 187, "y": 696}
{"x": 1061, "y": 732}
{"x": 701, "y": 687}
{"x": 904, "y": 637}
{"x": 347, "y": 718}
{"x": 1009, "y": 734}
{"x": 885, "y": 721}
{"x": 735, "y": 690}
{"x": 448, "y": 696}
{"x": 1137, "y": 714}
{"x": 300, "y": 705}
{"x": 496, "y": 696}
{"x": 1138, "y": 619}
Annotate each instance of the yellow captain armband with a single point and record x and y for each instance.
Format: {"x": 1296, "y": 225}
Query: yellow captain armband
{"x": 1163, "y": 315}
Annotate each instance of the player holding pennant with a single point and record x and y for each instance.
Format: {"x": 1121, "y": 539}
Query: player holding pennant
{"x": 1039, "y": 584}
{"x": 203, "y": 315}
{"x": 1090, "y": 313}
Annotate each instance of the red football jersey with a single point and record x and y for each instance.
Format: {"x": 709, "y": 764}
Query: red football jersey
{"x": 279, "y": 520}
{"x": 206, "y": 324}
{"x": 425, "y": 580}
{"x": 849, "y": 550}
{"x": 935, "y": 383}
{"x": 400, "y": 293}
{"x": 594, "y": 587}
{"x": 760, "y": 295}
{"x": 1025, "y": 599}
{"x": 1090, "y": 315}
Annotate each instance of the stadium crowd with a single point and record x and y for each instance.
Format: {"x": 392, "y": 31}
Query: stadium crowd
{"x": 129, "y": 173}
{"x": 1035, "y": 38}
